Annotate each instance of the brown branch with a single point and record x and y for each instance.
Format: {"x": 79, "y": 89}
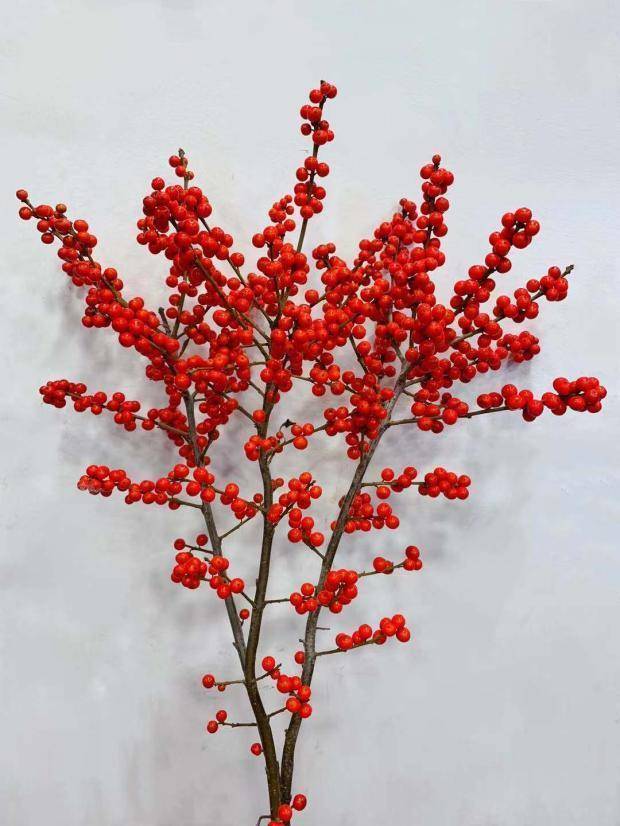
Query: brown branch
{"x": 292, "y": 732}
{"x": 243, "y": 681}
{"x": 344, "y": 651}
{"x": 236, "y": 527}
{"x": 470, "y": 415}
{"x": 216, "y": 544}
{"x": 238, "y": 725}
{"x": 262, "y": 718}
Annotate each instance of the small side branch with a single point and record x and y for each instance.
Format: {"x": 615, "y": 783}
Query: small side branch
{"x": 243, "y": 681}
{"x": 343, "y": 651}
{"x": 414, "y": 419}
{"x": 238, "y": 725}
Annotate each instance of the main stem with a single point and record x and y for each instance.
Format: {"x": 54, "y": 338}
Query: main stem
{"x": 263, "y": 722}
{"x": 247, "y": 652}
{"x": 279, "y": 779}
{"x": 292, "y": 732}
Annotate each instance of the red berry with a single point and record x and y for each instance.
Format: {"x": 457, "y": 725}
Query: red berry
{"x": 285, "y": 813}
{"x": 299, "y": 802}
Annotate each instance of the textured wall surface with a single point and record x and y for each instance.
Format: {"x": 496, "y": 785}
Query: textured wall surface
{"x": 505, "y": 709}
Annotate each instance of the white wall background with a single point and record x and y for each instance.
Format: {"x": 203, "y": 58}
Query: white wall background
{"x": 505, "y": 711}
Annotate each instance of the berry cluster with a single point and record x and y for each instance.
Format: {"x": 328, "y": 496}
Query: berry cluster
{"x": 411, "y": 562}
{"x": 179, "y": 164}
{"x": 162, "y": 491}
{"x": 191, "y": 571}
{"x": 585, "y": 394}
{"x": 57, "y": 392}
{"x": 339, "y": 589}
{"x": 518, "y": 230}
{"x": 221, "y": 718}
{"x": 388, "y": 627}
{"x": 553, "y": 285}
{"x": 99, "y": 479}
{"x": 257, "y": 445}
{"x": 364, "y": 516}
{"x": 241, "y": 508}
{"x": 300, "y": 494}
{"x": 391, "y": 482}
{"x": 308, "y": 195}
{"x": 432, "y": 411}
{"x": 445, "y": 483}
{"x": 298, "y": 693}
{"x": 522, "y": 347}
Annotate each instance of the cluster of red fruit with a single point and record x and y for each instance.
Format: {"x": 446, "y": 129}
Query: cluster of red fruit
{"x": 553, "y": 286}
{"x": 396, "y": 483}
{"x": 432, "y": 416}
{"x": 104, "y": 306}
{"x": 185, "y": 210}
{"x": 256, "y": 445}
{"x": 446, "y": 483}
{"x": 77, "y": 243}
{"x": 411, "y": 562}
{"x": 298, "y": 693}
{"x": 524, "y": 306}
{"x": 518, "y": 230}
{"x": 169, "y": 419}
{"x": 388, "y": 627}
{"x": 191, "y": 571}
{"x": 308, "y": 195}
{"x": 438, "y": 481}
{"x": 522, "y": 347}
{"x": 241, "y": 508}
{"x": 300, "y": 433}
{"x": 368, "y": 402}
{"x": 299, "y": 497}
{"x": 585, "y": 394}
{"x": 56, "y": 393}
{"x": 179, "y": 164}
{"x": 339, "y": 589}
{"x": 363, "y": 516}
{"x": 163, "y": 491}
{"x": 99, "y": 479}
{"x": 221, "y": 718}
{"x": 271, "y": 445}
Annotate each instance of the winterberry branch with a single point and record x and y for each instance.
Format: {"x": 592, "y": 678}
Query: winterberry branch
{"x": 200, "y": 352}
